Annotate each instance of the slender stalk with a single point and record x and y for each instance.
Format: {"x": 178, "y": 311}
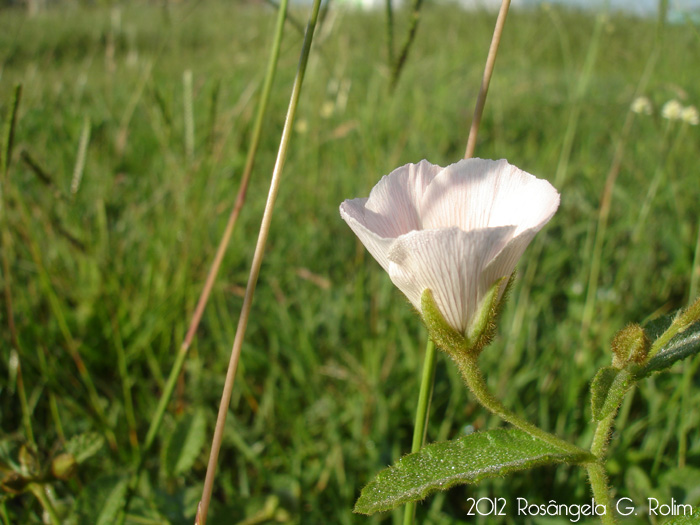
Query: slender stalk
{"x": 8, "y": 136}
{"x": 79, "y": 167}
{"x": 255, "y": 267}
{"x": 171, "y": 382}
{"x": 472, "y": 375}
{"x": 247, "y": 171}
{"x": 5, "y": 238}
{"x": 410, "y": 37}
{"x": 38, "y": 491}
{"x": 581, "y": 86}
{"x": 420, "y": 427}
{"x": 389, "y": 31}
{"x": 188, "y": 108}
{"x": 606, "y": 199}
{"x": 486, "y": 80}
{"x": 21, "y": 392}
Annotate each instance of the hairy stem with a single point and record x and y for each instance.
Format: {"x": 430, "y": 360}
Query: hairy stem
{"x": 597, "y": 475}
{"x": 474, "y": 379}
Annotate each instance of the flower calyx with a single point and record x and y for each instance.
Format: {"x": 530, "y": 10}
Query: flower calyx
{"x": 482, "y": 326}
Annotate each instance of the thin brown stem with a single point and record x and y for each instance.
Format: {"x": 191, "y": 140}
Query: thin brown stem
{"x": 486, "y": 80}
{"x": 201, "y": 518}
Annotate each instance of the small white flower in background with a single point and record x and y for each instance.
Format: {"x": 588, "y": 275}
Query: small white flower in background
{"x": 641, "y": 106}
{"x": 672, "y": 110}
{"x": 455, "y": 231}
{"x": 690, "y": 116}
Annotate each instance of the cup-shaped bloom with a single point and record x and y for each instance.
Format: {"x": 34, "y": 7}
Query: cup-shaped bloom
{"x": 455, "y": 231}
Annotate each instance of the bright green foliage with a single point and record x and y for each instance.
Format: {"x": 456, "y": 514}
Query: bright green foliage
{"x": 469, "y": 459}
{"x": 327, "y": 383}
{"x": 185, "y": 443}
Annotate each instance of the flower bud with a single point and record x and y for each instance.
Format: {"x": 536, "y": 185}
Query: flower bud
{"x": 630, "y": 345}
{"x": 64, "y": 466}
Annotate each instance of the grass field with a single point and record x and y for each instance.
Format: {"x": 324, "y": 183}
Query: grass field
{"x": 108, "y": 252}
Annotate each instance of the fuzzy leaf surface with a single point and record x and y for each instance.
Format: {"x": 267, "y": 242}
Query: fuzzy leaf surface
{"x": 683, "y": 345}
{"x": 469, "y": 459}
{"x": 608, "y": 388}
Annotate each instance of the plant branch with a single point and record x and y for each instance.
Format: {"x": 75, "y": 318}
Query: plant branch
{"x": 474, "y": 379}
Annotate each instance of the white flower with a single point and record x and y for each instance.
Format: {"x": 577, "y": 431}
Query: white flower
{"x": 641, "y": 105}
{"x": 672, "y": 110}
{"x": 455, "y": 231}
{"x": 689, "y": 115}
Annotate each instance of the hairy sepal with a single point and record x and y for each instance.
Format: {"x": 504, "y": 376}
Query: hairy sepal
{"x": 481, "y": 329}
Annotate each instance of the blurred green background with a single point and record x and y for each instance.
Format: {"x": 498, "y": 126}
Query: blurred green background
{"x": 108, "y": 244}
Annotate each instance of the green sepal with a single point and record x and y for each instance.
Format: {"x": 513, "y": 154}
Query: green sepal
{"x": 443, "y": 335}
{"x": 481, "y": 329}
{"x": 483, "y": 326}
{"x": 608, "y": 388}
{"x": 469, "y": 459}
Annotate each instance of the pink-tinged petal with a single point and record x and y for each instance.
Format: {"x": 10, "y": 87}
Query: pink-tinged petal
{"x": 395, "y": 199}
{"x": 357, "y": 216}
{"x": 504, "y": 263}
{"x": 479, "y": 193}
{"x": 449, "y": 262}
{"x": 391, "y": 209}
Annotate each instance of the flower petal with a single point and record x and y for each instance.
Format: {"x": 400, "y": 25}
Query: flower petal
{"x": 480, "y": 193}
{"x": 391, "y": 209}
{"x": 450, "y": 263}
{"x": 357, "y": 216}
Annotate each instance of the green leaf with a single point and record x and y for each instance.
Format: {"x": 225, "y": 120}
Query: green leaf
{"x": 186, "y": 443}
{"x": 84, "y": 446}
{"x": 101, "y": 501}
{"x": 469, "y": 459}
{"x": 682, "y": 345}
{"x": 608, "y": 388}
{"x": 687, "y": 519}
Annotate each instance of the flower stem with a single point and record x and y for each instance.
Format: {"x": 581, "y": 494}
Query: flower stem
{"x": 422, "y": 413}
{"x": 597, "y": 476}
{"x": 472, "y": 375}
